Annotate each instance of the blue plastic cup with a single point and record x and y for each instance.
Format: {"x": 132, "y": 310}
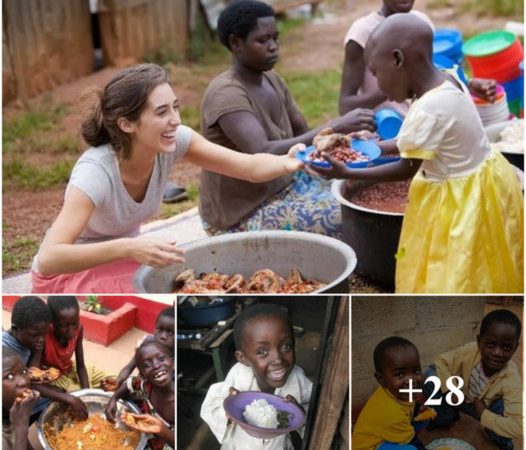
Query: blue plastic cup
{"x": 388, "y": 123}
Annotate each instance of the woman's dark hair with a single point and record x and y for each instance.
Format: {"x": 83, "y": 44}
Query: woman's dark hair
{"x": 240, "y": 17}
{"x": 124, "y": 96}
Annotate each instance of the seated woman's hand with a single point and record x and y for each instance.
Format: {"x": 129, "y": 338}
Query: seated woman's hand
{"x": 483, "y": 88}
{"x": 356, "y": 120}
{"x": 154, "y": 252}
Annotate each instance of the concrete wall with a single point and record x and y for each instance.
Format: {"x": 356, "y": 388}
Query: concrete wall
{"x": 433, "y": 324}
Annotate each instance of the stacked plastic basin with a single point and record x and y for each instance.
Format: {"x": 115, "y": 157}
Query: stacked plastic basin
{"x": 496, "y": 112}
{"x": 498, "y": 55}
{"x": 447, "y": 50}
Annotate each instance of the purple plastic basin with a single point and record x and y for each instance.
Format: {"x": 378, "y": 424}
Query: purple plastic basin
{"x": 235, "y": 405}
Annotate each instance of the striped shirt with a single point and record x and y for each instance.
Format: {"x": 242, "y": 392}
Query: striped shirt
{"x": 477, "y": 382}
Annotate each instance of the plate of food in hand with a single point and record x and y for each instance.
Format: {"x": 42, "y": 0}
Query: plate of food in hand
{"x": 354, "y": 153}
{"x": 38, "y": 375}
{"x": 263, "y": 415}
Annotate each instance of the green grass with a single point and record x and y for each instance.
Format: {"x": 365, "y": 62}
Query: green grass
{"x": 30, "y": 121}
{"x": 316, "y": 94}
{"x": 171, "y": 209}
{"x": 505, "y": 8}
{"x": 19, "y": 254}
{"x": 191, "y": 116}
{"x": 22, "y": 174}
{"x": 285, "y": 26}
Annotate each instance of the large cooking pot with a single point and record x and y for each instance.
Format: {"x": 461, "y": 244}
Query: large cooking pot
{"x": 96, "y": 401}
{"x": 319, "y": 257}
{"x": 373, "y": 235}
{"x": 493, "y": 133}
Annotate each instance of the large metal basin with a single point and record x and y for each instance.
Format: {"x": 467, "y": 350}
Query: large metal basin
{"x": 374, "y": 235}
{"x": 319, "y": 257}
{"x": 96, "y": 401}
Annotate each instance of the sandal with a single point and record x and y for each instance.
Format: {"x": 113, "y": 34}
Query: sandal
{"x": 174, "y": 193}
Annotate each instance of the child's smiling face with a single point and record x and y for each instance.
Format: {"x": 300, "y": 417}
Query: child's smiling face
{"x": 164, "y": 331}
{"x": 155, "y": 364}
{"x": 268, "y": 349}
{"x": 496, "y": 346}
{"x": 66, "y": 323}
{"x": 400, "y": 364}
{"x": 14, "y": 379}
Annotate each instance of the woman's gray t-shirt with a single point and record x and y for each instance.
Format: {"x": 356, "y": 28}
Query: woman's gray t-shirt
{"x": 116, "y": 213}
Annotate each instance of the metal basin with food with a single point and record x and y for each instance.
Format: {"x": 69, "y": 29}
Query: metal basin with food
{"x": 317, "y": 257}
{"x": 96, "y": 401}
{"x": 493, "y": 133}
{"x": 373, "y": 234}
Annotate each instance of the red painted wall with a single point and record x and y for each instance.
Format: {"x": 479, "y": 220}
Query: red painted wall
{"x": 147, "y": 310}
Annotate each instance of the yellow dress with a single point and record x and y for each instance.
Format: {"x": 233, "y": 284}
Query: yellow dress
{"x": 463, "y": 226}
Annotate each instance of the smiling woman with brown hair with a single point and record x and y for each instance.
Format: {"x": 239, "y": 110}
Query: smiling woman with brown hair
{"x": 136, "y": 136}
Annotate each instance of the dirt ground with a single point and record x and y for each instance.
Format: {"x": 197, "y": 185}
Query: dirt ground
{"x": 315, "y": 45}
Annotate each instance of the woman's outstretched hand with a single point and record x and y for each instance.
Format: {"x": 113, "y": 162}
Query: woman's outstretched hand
{"x": 293, "y": 164}
{"x": 155, "y": 252}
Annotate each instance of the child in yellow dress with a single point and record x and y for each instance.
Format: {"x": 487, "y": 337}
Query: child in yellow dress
{"x": 463, "y": 225}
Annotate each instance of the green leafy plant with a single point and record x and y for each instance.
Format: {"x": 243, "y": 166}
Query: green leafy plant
{"x": 93, "y": 304}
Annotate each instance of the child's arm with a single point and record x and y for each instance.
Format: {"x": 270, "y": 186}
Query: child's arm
{"x": 126, "y": 371}
{"x": 147, "y": 423}
{"x": 19, "y": 415}
{"x": 509, "y": 424}
{"x": 212, "y": 410}
{"x": 402, "y": 169}
{"x": 36, "y": 358}
{"x": 76, "y": 404}
{"x": 352, "y": 77}
{"x": 79, "y": 357}
{"x": 111, "y": 408}
{"x": 448, "y": 364}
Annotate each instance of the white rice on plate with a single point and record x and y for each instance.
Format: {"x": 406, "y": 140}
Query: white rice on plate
{"x": 261, "y": 414}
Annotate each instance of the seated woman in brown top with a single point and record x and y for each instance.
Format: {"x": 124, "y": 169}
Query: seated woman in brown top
{"x": 248, "y": 108}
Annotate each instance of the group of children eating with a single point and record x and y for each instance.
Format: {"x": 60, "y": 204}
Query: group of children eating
{"x": 45, "y": 336}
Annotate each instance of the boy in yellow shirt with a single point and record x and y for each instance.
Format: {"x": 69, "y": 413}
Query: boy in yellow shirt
{"x": 386, "y": 420}
{"x": 492, "y": 385}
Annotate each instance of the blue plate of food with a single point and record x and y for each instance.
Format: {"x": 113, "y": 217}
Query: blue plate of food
{"x": 359, "y": 153}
